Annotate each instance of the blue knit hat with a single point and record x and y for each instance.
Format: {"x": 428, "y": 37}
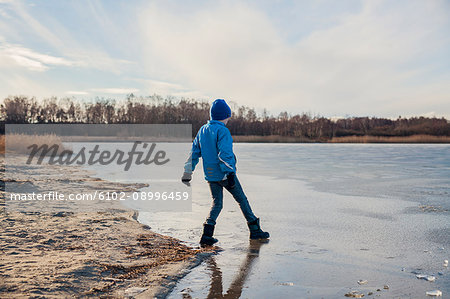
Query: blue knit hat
{"x": 220, "y": 110}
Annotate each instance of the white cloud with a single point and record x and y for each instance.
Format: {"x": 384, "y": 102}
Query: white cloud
{"x": 77, "y": 93}
{"x": 88, "y": 54}
{"x": 4, "y": 14}
{"x": 192, "y": 95}
{"x": 35, "y": 61}
{"x": 18, "y": 84}
{"x": 115, "y": 90}
{"x": 168, "y": 88}
{"x": 96, "y": 59}
{"x": 214, "y": 51}
{"x": 30, "y": 59}
{"x": 387, "y": 59}
{"x": 163, "y": 84}
{"x": 158, "y": 86}
{"x": 361, "y": 65}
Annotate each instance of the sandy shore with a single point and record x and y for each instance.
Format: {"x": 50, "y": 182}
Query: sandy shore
{"x": 81, "y": 253}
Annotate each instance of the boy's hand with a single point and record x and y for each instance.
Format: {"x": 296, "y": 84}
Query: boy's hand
{"x": 186, "y": 178}
{"x": 231, "y": 180}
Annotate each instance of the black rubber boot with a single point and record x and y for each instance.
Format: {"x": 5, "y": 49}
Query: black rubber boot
{"x": 256, "y": 232}
{"x": 207, "y": 237}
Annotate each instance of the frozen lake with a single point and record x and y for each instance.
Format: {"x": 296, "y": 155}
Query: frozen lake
{"x": 337, "y": 213}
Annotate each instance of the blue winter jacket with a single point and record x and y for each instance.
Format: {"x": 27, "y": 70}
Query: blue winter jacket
{"x": 214, "y": 144}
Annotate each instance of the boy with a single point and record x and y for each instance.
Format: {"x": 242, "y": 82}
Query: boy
{"x": 214, "y": 144}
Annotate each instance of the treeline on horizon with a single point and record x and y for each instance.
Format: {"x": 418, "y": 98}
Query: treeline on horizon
{"x": 245, "y": 121}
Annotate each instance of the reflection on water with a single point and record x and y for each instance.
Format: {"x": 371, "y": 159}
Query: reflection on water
{"x": 235, "y": 289}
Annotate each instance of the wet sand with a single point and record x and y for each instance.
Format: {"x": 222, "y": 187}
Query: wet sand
{"x": 84, "y": 252}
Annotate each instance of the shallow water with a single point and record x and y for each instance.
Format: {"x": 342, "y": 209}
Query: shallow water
{"x": 336, "y": 214}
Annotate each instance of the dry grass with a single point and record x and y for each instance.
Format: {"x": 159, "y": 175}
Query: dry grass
{"x": 19, "y": 143}
{"x": 16, "y": 142}
{"x": 395, "y": 139}
{"x": 346, "y": 139}
{"x": 2, "y": 144}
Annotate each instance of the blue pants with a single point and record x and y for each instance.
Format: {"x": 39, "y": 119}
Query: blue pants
{"x": 239, "y": 196}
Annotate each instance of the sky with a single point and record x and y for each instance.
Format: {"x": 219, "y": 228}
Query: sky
{"x": 325, "y": 57}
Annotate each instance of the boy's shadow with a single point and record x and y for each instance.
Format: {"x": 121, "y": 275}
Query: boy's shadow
{"x": 235, "y": 289}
